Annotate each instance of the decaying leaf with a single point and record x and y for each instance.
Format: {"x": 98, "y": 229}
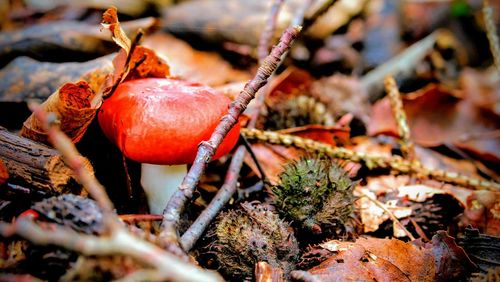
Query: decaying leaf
{"x": 72, "y": 104}
{"x": 132, "y": 61}
{"x": 393, "y": 260}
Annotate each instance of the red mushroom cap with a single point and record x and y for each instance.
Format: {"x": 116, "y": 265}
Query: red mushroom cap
{"x": 162, "y": 121}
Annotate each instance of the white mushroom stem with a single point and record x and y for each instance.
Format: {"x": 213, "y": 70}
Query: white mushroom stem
{"x": 160, "y": 182}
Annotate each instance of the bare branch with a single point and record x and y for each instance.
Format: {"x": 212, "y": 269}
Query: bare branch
{"x": 207, "y": 149}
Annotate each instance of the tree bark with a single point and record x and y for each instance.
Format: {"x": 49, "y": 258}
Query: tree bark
{"x": 36, "y": 166}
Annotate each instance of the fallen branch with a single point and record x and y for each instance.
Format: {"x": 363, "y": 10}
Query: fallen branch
{"x": 207, "y": 149}
{"x": 36, "y": 166}
{"x": 229, "y": 187}
{"x": 120, "y": 242}
{"x": 395, "y": 163}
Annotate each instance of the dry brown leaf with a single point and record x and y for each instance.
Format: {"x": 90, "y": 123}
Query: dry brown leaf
{"x": 373, "y": 259}
{"x": 132, "y": 61}
{"x": 110, "y": 21}
{"x": 371, "y": 214}
{"x": 72, "y": 105}
{"x": 200, "y": 66}
{"x": 370, "y": 259}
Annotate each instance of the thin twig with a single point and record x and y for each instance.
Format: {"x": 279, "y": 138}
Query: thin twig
{"x": 225, "y": 193}
{"x": 229, "y": 187}
{"x": 207, "y": 149}
{"x": 268, "y": 32}
{"x": 401, "y": 65}
{"x": 491, "y": 32}
{"x": 399, "y": 114}
{"x": 391, "y": 215}
{"x": 395, "y": 163}
{"x": 119, "y": 243}
{"x": 118, "y": 239}
{"x": 75, "y": 161}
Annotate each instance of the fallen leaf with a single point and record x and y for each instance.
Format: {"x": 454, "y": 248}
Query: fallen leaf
{"x": 370, "y": 259}
{"x": 72, "y": 104}
{"x": 332, "y": 135}
{"x": 451, "y": 261}
{"x": 271, "y": 158}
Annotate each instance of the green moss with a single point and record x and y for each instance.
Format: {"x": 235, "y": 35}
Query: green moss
{"x": 316, "y": 193}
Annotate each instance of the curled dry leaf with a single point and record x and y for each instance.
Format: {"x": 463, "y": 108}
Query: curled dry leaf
{"x": 72, "y": 104}
{"x": 132, "y": 61}
{"x": 4, "y": 173}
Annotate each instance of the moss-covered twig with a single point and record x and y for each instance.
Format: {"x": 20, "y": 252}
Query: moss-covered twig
{"x": 395, "y": 163}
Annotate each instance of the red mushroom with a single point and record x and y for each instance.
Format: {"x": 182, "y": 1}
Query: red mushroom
{"x": 160, "y": 122}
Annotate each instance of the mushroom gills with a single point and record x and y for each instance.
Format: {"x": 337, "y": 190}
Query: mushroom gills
{"x": 160, "y": 182}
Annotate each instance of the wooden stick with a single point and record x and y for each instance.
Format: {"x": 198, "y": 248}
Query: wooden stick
{"x": 34, "y": 165}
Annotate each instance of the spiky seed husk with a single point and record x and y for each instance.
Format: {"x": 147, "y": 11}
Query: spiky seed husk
{"x": 316, "y": 193}
{"x": 251, "y": 234}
